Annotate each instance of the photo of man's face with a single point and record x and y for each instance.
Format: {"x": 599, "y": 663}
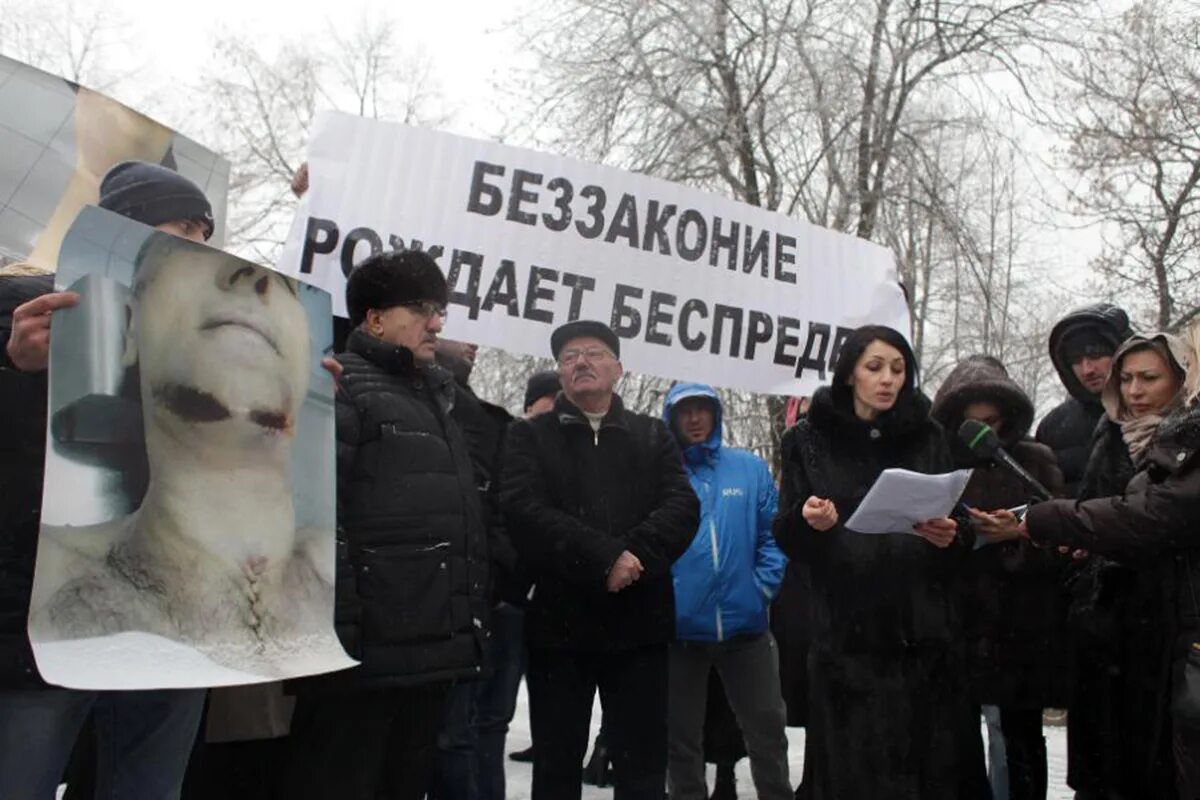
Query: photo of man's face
{"x": 217, "y": 339}
{"x": 220, "y": 560}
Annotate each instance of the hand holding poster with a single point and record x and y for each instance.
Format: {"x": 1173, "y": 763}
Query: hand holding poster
{"x": 187, "y": 533}
{"x": 699, "y": 287}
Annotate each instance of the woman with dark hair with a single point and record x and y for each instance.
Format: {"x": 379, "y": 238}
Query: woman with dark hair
{"x": 1014, "y": 606}
{"x": 1125, "y": 593}
{"x": 890, "y": 716}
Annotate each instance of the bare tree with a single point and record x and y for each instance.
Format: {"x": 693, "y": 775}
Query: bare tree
{"x": 262, "y": 108}
{"x": 1134, "y": 131}
{"x": 799, "y": 106}
{"x": 75, "y": 39}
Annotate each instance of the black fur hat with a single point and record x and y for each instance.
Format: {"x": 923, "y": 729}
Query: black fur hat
{"x": 391, "y": 279}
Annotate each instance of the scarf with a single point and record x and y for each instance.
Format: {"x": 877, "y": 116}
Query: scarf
{"x": 1138, "y": 432}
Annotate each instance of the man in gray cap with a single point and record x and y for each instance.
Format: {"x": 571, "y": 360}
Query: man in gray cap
{"x": 145, "y": 737}
{"x": 598, "y": 504}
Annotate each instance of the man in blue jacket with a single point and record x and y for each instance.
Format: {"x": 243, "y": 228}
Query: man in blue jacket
{"x": 724, "y": 585}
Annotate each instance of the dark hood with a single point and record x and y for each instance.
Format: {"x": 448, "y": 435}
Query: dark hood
{"x": 983, "y": 378}
{"x": 1110, "y": 322}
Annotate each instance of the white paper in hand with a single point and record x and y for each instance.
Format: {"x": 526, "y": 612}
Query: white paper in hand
{"x": 900, "y": 499}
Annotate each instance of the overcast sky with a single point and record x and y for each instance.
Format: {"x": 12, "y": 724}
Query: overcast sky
{"x": 470, "y": 43}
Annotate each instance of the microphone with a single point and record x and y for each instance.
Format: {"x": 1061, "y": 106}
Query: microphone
{"x": 983, "y": 441}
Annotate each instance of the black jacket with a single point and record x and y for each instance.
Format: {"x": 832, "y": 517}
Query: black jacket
{"x": 1014, "y": 602}
{"x": 1151, "y": 527}
{"x": 574, "y": 500}
{"x": 412, "y": 555}
{"x": 869, "y": 593}
{"x": 22, "y": 461}
{"x": 1067, "y": 429}
{"x": 485, "y": 426}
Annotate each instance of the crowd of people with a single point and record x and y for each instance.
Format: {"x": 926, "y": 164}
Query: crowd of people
{"x": 586, "y": 548}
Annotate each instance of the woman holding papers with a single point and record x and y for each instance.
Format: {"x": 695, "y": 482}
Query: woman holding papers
{"x": 1126, "y": 594}
{"x": 890, "y": 716}
{"x": 1014, "y": 606}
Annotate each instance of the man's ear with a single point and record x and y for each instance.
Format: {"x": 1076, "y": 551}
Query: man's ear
{"x": 129, "y": 353}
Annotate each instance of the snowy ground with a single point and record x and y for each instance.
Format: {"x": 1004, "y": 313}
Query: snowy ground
{"x": 519, "y": 775}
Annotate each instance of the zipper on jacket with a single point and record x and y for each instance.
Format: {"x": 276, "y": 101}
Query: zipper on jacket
{"x": 716, "y": 559}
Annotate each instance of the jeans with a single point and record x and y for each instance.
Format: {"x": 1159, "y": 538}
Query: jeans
{"x": 633, "y": 693}
{"x": 477, "y": 717}
{"x": 997, "y": 754}
{"x": 143, "y": 740}
{"x": 749, "y": 669}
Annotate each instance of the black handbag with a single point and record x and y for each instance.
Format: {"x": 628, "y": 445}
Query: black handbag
{"x": 1185, "y": 689}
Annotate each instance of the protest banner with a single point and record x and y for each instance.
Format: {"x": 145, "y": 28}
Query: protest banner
{"x": 187, "y": 533}
{"x": 59, "y": 139}
{"x": 698, "y": 286}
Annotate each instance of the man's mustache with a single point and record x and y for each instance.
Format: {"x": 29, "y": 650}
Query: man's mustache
{"x": 582, "y": 372}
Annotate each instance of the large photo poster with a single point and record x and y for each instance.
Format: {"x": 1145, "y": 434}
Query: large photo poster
{"x": 59, "y": 139}
{"x": 698, "y": 286}
{"x": 187, "y": 536}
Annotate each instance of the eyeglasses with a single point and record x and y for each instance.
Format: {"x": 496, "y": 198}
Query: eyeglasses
{"x": 569, "y": 357}
{"x": 426, "y": 308}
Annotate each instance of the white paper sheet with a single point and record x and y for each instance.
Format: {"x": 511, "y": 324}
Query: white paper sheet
{"x": 900, "y": 499}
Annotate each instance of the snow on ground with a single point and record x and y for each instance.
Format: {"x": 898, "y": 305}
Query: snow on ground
{"x": 520, "y": 775}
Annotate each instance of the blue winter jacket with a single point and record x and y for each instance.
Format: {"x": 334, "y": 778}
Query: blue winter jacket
{"x": 728, "y": 577}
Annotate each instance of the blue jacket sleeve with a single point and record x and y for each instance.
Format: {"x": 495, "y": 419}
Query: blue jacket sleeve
{"x": 769, "y": 561}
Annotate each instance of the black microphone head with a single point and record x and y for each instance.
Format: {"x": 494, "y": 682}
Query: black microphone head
{"x": 979, "y": 437}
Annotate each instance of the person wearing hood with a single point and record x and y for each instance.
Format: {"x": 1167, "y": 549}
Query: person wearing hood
{"x": 724, "y": 585}
{"x": 890, "y": 715}
{"x": 1147, "y": 524}
{"x": 1081, "y": 349}
{"x": 1014, "y": 608}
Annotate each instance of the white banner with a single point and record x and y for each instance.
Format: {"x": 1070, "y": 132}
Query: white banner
{"x": 698, "y": 287}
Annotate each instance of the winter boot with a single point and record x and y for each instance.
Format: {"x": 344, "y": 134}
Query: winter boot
{"x": 522, "y": 756}
{"x": 598, "y": 771}
{"x": 726, "y": 786}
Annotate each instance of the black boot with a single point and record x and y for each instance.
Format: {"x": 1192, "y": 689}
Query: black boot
{"x": 1027, "y": 768}
{"x": 598, "y": 771}
{"x": 726, "y": 786}
{"x": 523, "y": 756}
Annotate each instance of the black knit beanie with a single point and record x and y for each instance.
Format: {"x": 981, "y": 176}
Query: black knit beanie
{"x": 391, "y": 279}
{"x": 151, "y": 194}
{"x": 541, "y": 384}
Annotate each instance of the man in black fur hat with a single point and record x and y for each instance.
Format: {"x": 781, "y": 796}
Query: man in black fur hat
{"x": 412, "y": 602}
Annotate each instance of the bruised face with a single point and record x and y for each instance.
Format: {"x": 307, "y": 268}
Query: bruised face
{"x": 878, "y": 377}
{"x": 986, "y": 412}
{"x": 587, "y": 367}
{"x": 694, "y": 419}
{"x": 1148, "y": 384}
{"x": 217, "y": 339}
